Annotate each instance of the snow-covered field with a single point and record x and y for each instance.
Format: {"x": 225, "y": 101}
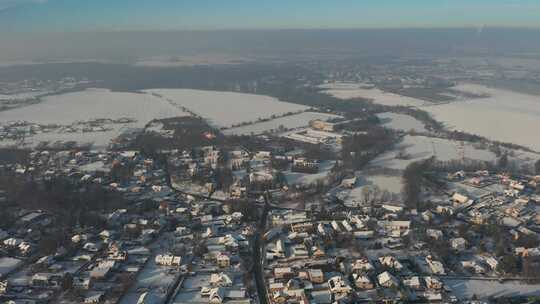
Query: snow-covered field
{"x": 352, "y": 90}
{"x": 287, "y": 122}
{"x": 91, "y": 104}
{"x": 224, "y": 109}
{"x": 465, "y": 289}
{"x": 385, "y": 171}
{"x": 352, "y": 197}
{"x": 390, "y": 183}
{"x": 401, "y": 122}
{"x": 415, "y": 148}
{"x": 505, "y": 116}
{"x": 66, "y": 109}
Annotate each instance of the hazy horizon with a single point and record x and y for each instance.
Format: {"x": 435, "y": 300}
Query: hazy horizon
{"x": 130, "y": 46}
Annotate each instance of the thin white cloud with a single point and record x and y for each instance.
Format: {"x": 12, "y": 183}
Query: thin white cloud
{"x": 7, "y": 4}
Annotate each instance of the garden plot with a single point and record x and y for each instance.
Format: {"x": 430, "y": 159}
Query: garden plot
{"x": 225, "y": 109}
{"x": 69, "y": 110}
{"x": 401, "y": 122}
{"x": 352, "y": 90}
{"x": 504, "y": 116}
{"x": 280, "y": 124}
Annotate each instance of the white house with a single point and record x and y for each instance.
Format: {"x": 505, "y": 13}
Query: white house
{"x": 168, "y": 260}
{"x": 363, "y": 265}
{"x": 339, "y": 286}
{"x": 220, "y": 280}
{"x": 386, "y": 279}
{"x": 435, "y": 266}
{"x": 217, "y": 296}
{"x": 458, "y": 244}
{"x": 391, "y": 262}
{"x": 460, "y": 198}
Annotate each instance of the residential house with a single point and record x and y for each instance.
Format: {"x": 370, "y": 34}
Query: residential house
{"x": 94, "y": 297}
{"x": 460, "y": 198}
{"x": 220, "y": 280}
{"x": 386, "y": 279}
{"x": 168, "y": 260}
{"x": 49, "y": 280}
{"x": 223, "y": 260}
{"x": 434, "y": 234}
{"x": 102, "y": 270}
{"x": 362, "y": 281}
{"x": 391, "y": 262}
{"x": 458, "y": 244}
{"x": 321, "y": 125}
{"x": 413, "y": 283}
{"x": 339, "y": 287}
{"x": 316, "y": 276}
{"x": 362, "y": 265}
{"x": 217, "y": 296}
{"x": 283, "y": 272}
{"x": 82, "y": 283}
{"x": 433, "y": 283}
{"x": 436, "y": 267}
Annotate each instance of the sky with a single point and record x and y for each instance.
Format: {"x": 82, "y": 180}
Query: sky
{"x": 134, "y": 15}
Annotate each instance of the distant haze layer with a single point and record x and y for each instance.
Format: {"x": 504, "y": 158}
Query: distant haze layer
{"x": 282, "y": 44}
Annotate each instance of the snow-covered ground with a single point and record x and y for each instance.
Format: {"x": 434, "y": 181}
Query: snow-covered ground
{"x": 95, "y": 167}
{"x": 401, "y": 122}
{"x": 8, "y": 264}
{"x": 385, "y": 171}
{"x": 353, "y": 90}
{"x": 415, "y": 148}
{"x": 91, "y": 104}
{"x": 153, "y": 277}
{"x": 287, "y": 122}
{"x": 224, "y": 109}
{"x": 465, "y": 289}
{"x": 389, "y": 183}
{"x": 66, "y": 109}
{"x": 505, "y": 116}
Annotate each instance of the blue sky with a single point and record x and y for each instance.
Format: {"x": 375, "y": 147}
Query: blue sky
{"x": 105, "y": 15}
